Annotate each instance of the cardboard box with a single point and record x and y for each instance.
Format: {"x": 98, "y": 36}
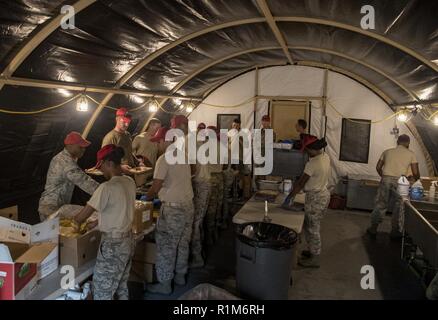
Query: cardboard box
{"x": 143, "y": 218}
{"x": 78, "y": 251}
{"x": 141, "y": 175}
{"x": 145, "y": 252}
{"x": 10, "y": 213}
{"x": 29, "y": 247}
{"x": 427, "y": 182}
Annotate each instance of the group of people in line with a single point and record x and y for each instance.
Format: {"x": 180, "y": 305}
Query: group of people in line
{"x": 194, "y": 201}
{"x": 194, "y": 198}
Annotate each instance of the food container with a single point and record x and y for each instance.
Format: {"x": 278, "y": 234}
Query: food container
{"x": 268, "y": 185}
{"x": 287, "y": 186}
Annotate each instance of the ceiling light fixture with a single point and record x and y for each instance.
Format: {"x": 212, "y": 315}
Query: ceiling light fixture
{"x": 82, "y": 103}
{"x": 153, "y": 106}
{"x": 402, "y": 116}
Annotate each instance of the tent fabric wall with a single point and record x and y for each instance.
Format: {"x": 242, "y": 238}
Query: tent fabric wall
{"x": 349, "y": 97}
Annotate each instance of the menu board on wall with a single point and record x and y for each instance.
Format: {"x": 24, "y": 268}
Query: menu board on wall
{"x": 355, "y": 140}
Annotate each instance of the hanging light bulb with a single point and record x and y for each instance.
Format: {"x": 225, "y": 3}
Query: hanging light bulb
{"x": 435, "y": 120}
{"x": 153, "y": 106}
{"x": 402, "y": 116}
{"x": 177, "y": 102}
{"x": 189, "y": 107}
{"x": 82, "y": 104}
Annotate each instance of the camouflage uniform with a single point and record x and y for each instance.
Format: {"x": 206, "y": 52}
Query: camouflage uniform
{"x": 388, "y": 187}
{"x": 112, "y": 268}
{"x": 228, "y": 175}
{"x": 315, "y": 207}
{"x": 202, "y": 195}
{"x": 173, "y": 233}
{"x": 64, "y": 173}
{"x": 214, "y": 204}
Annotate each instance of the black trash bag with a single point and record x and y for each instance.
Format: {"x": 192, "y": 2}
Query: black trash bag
{"x": 267, "y": 235}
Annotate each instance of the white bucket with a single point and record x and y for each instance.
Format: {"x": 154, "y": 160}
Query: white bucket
{"x": 403, "y": 186}
{"x": 287, "y": 186}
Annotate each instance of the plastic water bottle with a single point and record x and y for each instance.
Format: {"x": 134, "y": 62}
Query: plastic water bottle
{"x": 287, "y": 186}
{"x": 403, "y": 186}
{"x": 417, "y": 191}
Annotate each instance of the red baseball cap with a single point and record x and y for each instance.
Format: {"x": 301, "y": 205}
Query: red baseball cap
{"x": 307, "y": 140}
{"x": 201, "y": 126}
{"x": 76, "y": 138}
{"x": 160, "y": 134}
{"x": 102, "y": 153}
{"x": 178, "y": 120}
{"x": 266, "y": 118}
{"x": 123, "y": 112}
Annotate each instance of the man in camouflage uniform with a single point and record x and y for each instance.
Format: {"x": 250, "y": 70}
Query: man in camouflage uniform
{"x": 63, "y": 175}
{"x": 392, "y": 164}
{"x": 114, "y": 200}
{"x": 314, "y": 182}
{"x": 173, "y": 184}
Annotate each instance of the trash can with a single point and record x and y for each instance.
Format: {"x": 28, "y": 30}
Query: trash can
{"x": 264, "y": 260}
{"x": 206, "y": 291}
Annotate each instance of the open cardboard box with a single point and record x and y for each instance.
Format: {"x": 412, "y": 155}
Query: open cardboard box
{"x": 79, "y": 250}
{"x": 143, "y": 262}
{"x": 34, "y": 253}
{"x": 143, "y": 217}
{"x": 427, "y": 182}
{"x": 10, "y": 213}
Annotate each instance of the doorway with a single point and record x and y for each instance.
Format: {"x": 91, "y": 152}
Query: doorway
{"x": 285, "y": 115}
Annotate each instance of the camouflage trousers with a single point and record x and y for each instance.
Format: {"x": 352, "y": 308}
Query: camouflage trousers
{"x": 202, "y": 194}
{"x": 173, "y": 234}
{"x": 214, "y": 211}
{"x": 388, "y": 188}
{"x": 113, "y": 265}
{"x": 228, "y": 187}
{"x": 315, "y": 207}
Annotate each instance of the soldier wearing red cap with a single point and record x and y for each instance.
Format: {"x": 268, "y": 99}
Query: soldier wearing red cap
{"x": 63, "y": 175}
{"x": 120, "y": 137}
{"x": 114, "y": 200}
{"x": 314, "y": 182}
{"x": 143, "y": 147}
{"x": 173, "y": 184}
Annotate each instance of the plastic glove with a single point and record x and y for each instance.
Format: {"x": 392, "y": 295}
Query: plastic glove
{"x": 287, "y": 201}
{"x": 145, "y": 197}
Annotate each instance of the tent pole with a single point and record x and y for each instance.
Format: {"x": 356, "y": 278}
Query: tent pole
{"x": 25, "y": 82}
{"x": 264, "y": 7}
{"x": 324, "y": 102}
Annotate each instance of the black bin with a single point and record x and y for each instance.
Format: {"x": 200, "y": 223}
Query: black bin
{"x": 264, "y": 260}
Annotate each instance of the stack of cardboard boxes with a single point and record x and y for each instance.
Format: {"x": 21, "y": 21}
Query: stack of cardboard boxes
{"x": 29, "y": 253}
{"x": 143, "y": 262}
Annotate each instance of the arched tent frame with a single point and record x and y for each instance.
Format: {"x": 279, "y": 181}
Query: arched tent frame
{"x": 38, "y": 37}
